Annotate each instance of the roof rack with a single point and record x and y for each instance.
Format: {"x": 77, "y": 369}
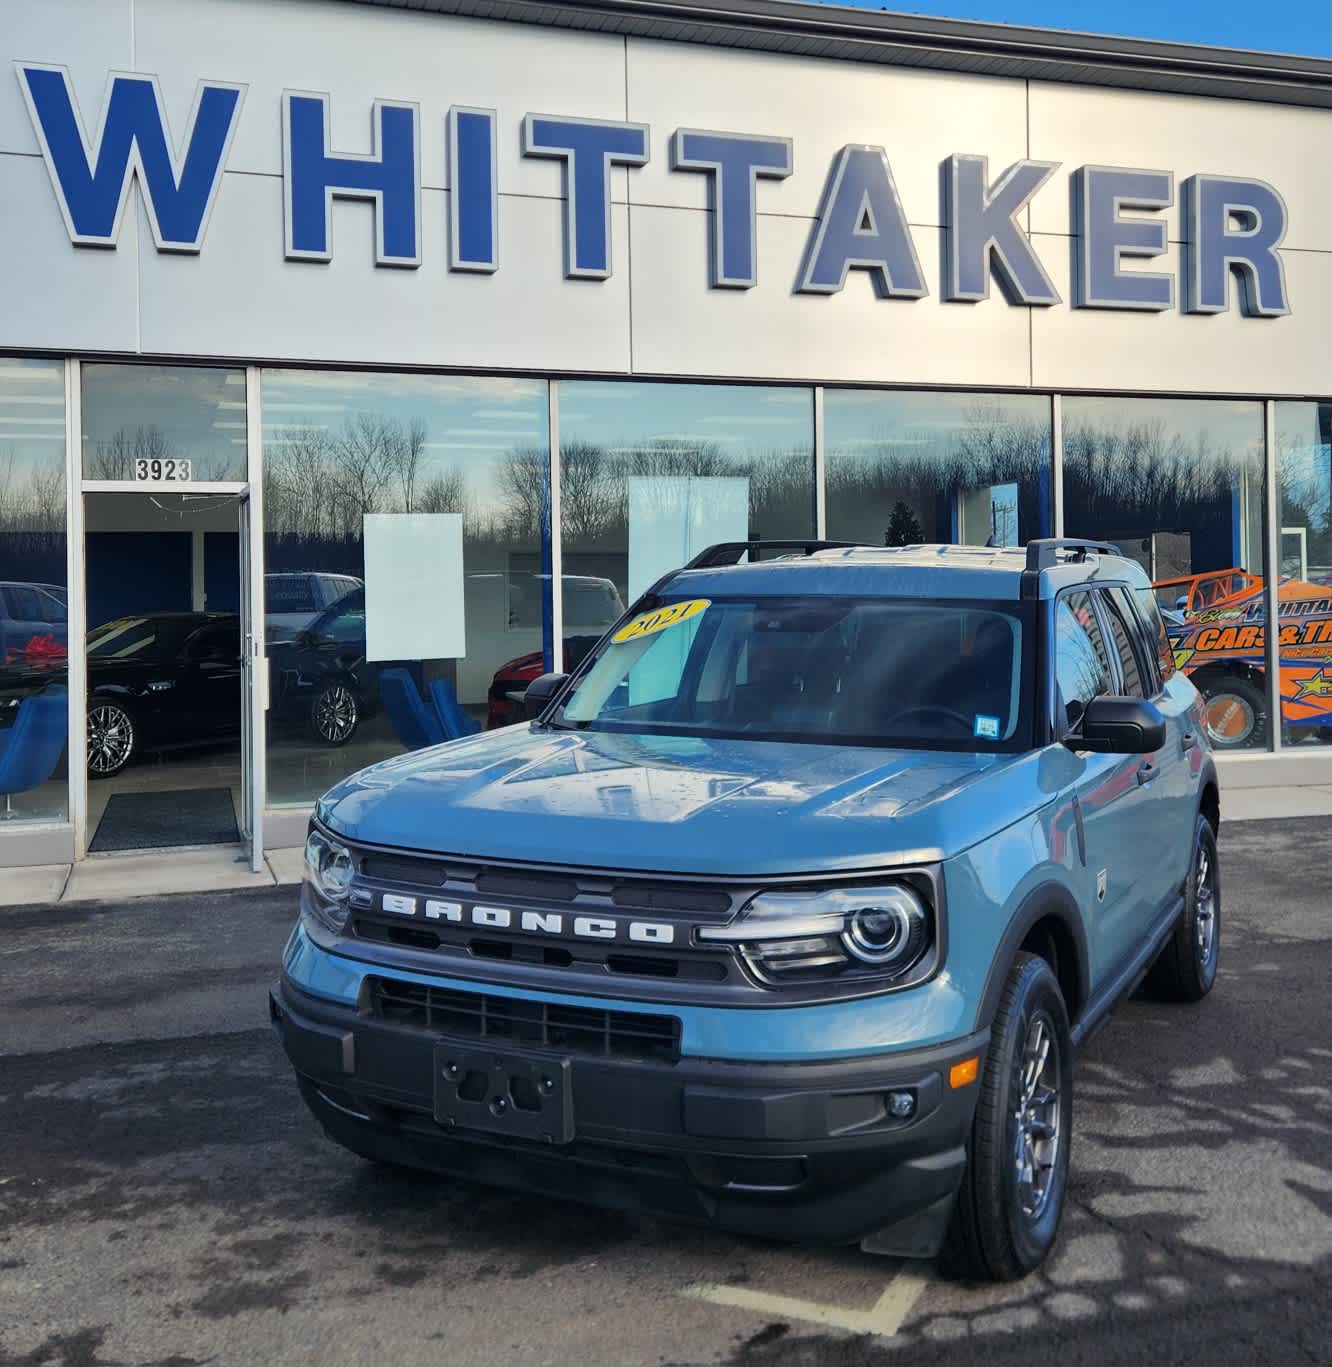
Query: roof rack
{"x": 731, "y": 552}
{"x": 1042, "y": 554}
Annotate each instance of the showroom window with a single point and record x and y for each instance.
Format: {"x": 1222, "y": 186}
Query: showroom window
{"x": 1178, "y": 485}
{"x": 910, "y": 467}
{"x": 407, "y": 584}
{"x": 177, "y": 423}
{"x": 1304, "y": 491}
{"x": 34, "y": 638}
{"x": 651, "y": 474}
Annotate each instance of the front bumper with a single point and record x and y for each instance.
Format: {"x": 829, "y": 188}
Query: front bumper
{"x": 788, "y": 1150}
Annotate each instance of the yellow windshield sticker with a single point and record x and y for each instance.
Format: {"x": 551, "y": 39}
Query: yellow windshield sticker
{"x": 649, "y": 623}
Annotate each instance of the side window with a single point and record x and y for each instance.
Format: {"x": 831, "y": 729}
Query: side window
{"x": 1082, "y": 667}
{"x": 1124, "y": 632}
{"x": 25, "y": 605}
{"x": 1150, "y": 612}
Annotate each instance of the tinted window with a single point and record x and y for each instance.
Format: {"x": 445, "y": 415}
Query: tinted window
{"x": 1082, "y": 668}
{"x": 25, "y": 605}
{"x": 822, "y": 669}
{"x": 1150, "y": 612}
{"x": 219, "y": 642}
{"x": 1123, "y": 630}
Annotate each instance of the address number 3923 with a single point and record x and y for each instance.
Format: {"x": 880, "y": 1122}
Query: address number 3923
{"x": 166, "y": 469}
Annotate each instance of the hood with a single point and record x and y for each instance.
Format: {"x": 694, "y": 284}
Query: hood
{"x": 681, "y": 805}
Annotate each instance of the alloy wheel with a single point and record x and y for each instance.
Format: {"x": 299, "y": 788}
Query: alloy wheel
{"x": 1205, "y": 907}
{"x": 335, "y": 714}
{"x": 110, "y": 738}
{"x": 1037, "y": 1137}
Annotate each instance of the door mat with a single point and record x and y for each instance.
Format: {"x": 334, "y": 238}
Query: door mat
{"x": 149, "y": 821}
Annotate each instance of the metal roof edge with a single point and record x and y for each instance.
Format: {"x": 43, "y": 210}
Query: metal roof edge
{"x": 833, "y": 31}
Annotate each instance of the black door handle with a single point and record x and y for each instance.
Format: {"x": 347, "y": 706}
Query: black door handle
{"x": 1146, "y": 773}
{"x": 1187, "y": 741}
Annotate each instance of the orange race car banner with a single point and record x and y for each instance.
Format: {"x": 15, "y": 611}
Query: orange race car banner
{"x": 1218, "y": 624}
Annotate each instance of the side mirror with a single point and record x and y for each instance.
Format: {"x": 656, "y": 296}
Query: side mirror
{"x": 539, "y": 693}
{"x": 1119, "y": 726}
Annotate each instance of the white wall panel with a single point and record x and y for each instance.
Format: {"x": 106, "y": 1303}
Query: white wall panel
{"x": 1221, "y": 353}
{"x": 239, "y": 297}
{"x": 823, "y": 105}
{"x": 55, "y": 296}
{"x": 92, "y": 39}
{"x": 681, "y": 327}
{"x": 358, "y": 54}
{"x": 1283, "y": 146}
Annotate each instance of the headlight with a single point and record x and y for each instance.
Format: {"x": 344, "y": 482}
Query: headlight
{"x": 328, "y": 874}
{"x": 879, "y": 932}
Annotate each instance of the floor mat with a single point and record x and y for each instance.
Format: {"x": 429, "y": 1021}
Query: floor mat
{"x": 149, "y": 821}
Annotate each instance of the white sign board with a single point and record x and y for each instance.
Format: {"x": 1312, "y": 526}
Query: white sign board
{"x": 674, "y": 517}
{"x": 414, "y": 586}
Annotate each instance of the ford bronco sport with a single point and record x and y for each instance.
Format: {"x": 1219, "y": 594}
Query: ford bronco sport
{"x": 788, "y": 910}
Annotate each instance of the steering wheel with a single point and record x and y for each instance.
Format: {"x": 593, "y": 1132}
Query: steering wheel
{"x": 938, "y": 710}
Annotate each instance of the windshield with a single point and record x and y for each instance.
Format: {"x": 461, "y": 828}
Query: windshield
{"x": 849, "y": 671}
{"x": 129, "y": 638}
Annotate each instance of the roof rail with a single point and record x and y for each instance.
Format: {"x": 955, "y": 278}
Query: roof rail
{"x": 731, "y": 552}
{"x": 1043, "y": 553}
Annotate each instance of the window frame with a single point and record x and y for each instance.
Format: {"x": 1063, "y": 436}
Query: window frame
{"x": 1059, "y": 729}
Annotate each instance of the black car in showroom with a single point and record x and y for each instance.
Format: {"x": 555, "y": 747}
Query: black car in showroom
{"x": 321, "y": 680}
{"x": 160, "y": 681}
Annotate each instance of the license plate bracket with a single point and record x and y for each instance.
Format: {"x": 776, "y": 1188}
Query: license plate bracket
{"x": 524, "y": 1094}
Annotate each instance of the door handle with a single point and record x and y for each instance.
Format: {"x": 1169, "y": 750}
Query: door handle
{"x": 1146, "y": 773}
{"x": 1187, "y": 741}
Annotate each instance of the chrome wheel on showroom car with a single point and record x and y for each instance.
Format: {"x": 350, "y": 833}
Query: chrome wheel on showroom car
{"x": 335, "y": 714}
{"x": 112, "y": 739}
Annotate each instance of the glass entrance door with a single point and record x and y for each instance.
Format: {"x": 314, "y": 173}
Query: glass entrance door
{"x": 254, "y": 686}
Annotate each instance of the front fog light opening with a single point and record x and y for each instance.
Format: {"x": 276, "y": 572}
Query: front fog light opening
{"x": 901, "y": 1105}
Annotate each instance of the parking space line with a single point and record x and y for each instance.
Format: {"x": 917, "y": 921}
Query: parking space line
{"x": 883, "y": 1319}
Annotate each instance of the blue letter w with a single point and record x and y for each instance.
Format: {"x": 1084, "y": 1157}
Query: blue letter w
{"x": 92, "y": 180}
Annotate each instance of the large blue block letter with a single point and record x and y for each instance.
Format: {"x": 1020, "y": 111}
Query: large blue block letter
{"x": 389, "y": 177}
{"x": 861, "y": 225}
{"x": 1105, "y": 238}
{"x": 473, "y": 190}
{"x": 734, "y": 162}
{"x": 589, "y": 149}
{"x": 1234, "y": 225}
{"x": 983, "y": 234}
{"x": 92, "y": 182}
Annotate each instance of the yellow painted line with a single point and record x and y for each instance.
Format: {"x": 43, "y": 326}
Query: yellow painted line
{"x": 883, "y": 1319}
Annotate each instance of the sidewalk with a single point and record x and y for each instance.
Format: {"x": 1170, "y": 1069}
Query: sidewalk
{"x": 216, "y": 868}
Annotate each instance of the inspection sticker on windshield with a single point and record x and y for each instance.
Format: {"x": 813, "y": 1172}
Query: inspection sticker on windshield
{"x": 649, "y": 623}
{"x": 987, "y": 728}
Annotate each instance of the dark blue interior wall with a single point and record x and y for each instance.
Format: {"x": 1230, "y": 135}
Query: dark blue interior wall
{"x": 131, "y": 572}
{"x": 222, "y": 571}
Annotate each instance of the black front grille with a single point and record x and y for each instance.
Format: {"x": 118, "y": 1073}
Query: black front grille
{"x": 542, "y": 1025}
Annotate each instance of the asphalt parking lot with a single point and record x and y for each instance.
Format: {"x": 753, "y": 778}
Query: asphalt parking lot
{"x": 166, "y": 1199}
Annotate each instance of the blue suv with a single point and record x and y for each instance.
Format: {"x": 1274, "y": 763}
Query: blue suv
{"x": 787, "y": 911}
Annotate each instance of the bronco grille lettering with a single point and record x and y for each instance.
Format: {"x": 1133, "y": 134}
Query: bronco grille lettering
{"x": 539, "y": 922}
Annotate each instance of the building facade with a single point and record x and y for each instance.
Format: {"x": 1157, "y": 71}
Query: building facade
{"x": 360, "y": 360}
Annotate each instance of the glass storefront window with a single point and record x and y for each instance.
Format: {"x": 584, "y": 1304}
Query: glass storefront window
{"x": 1304, "y": 492}
{"x": 407, "y": 553}
{"x": 141, "y": 421}
{"x": 34, "y": 636}
{"x": 915, "y": 467}
{"x": 1178, "y": 485}
{"x": 651, "y": 474}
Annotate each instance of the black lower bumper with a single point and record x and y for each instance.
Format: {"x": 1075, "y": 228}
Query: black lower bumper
{"x": 790, "y": 1150}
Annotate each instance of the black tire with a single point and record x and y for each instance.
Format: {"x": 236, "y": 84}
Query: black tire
{"x": 335, "y": 713}
{"x": 1234, "y": 711}
{"x": 113, "y": 737}
{"x": 1185, "y": 970}
{"x": 1005, "y": 1222}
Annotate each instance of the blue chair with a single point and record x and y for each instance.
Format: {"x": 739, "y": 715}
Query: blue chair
{"x": 416, "y": 725}
{"x": 31, "y": 748}
{"x": 452, "y": 717}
